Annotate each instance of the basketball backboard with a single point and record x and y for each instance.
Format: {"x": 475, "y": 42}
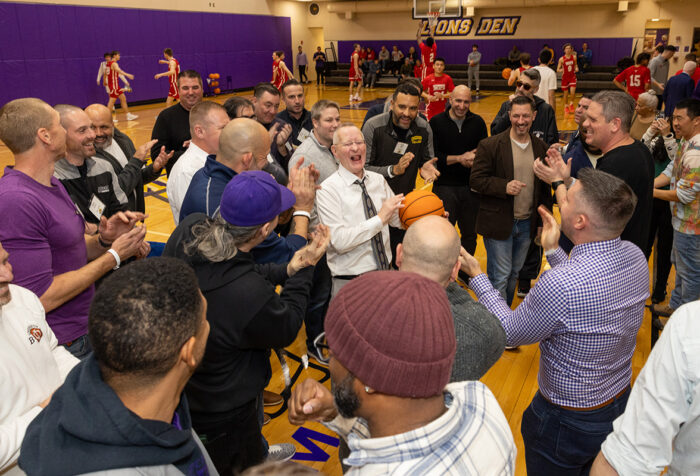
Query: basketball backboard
{"x": 447, "y": 8}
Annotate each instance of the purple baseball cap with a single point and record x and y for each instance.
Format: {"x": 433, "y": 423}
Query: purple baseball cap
{"x": 254, "y": 198}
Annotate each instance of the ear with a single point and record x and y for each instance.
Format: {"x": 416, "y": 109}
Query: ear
{"x": 187, "y": 354}
{"x": 582, "y": 221}
{"x": 334, "y": 149}
{"x": 455, "y": 271}
{"x": 198, "y": 130}
{"x": 265, "y": 229}
{"x": 399, "y": 255}
{"x": 246, "y": 160}
{"x": 615, "y": 124}
{"x": 43, "y": 136}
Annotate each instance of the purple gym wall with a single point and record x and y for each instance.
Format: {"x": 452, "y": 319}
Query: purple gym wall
{"x": 606, "y": 51}
{"x": 53, "y": 52}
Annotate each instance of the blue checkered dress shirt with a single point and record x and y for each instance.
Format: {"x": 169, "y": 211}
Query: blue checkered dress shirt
{"x": 585, "y": 313}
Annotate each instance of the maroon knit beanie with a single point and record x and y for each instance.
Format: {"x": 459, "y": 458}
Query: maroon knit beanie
{"x": 394, "y": 331}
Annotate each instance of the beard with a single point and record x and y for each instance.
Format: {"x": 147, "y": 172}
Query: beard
{"x": 346, "y": 400}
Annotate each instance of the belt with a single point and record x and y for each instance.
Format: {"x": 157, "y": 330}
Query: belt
{"x": 347, "y": 277}
{"x": 588, "y": 409}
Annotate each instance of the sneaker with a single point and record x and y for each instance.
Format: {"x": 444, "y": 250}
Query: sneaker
{"x": 266, "y": 419}
{"x": 512, "y": 347}
{"x": 313, "y": 354}
{"x": 271, "y": 399}
{"x": 128, "y": 89}
{"x": 352, "y": 98}
{"x": 280, "y": 452}
{"x": 662, "y": 310}
{"x": 477, "y": 92}
{"x": 131, "y": 117}
{"x": 523, "y": 288}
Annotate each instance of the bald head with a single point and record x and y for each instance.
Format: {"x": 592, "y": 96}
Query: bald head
{"x": 431, "y": 248}
{"x": 460, "y": 99}
{"x": 689, "y": 67}
{"x": 101, "y": 118}
{"x": 243, "y": 145}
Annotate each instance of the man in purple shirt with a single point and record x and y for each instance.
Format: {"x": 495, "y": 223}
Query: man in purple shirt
{"x": 585, "y": 313}
{"x": 44, "y": 232}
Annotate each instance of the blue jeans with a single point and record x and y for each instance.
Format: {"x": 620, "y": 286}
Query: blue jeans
{"x": 79, "y": 347}
{"x": 686, "y": 257}
{"x": 565, "y": 442}
{"x": 504, "y": 258}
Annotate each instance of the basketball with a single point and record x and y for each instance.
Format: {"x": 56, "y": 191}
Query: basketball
{"x": 217, "y": 91}
{"x": 418, "y": 204}
{"x": 506, "y": 73}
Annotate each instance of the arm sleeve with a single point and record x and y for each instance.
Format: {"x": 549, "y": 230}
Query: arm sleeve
{"x": 371, "y": 154}
{"x": 440, "y": 154}
{"x": 622, "y": 76}
{"x": 668, "y": 171}
{"x": 501, "y": 122}
{"x": 276, "y": 273}
{"x": 284, "y": 313}
{"x": 130, "y": 176}
{"x": 344, "y": 236}
{"x": 368, "y": 133}
{"x": 431, "y": 149}
{"x": 148, "y": 175}
{"x": 642, "y": 439}
{"x": 552, "y": 136}
{"x": 11, "y": 436}
{"x": 482, "y": 178}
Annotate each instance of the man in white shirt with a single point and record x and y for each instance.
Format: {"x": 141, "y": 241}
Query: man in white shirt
{"x": 548, "y": 79}
{"x": 359, "y": 233}
{"x": 207, "y": 120}
{"x": 32, "y": 364}
{"x": 661, "y": 424}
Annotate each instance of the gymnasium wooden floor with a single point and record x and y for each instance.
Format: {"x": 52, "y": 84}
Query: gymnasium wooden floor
{"x": 513, "y": 379}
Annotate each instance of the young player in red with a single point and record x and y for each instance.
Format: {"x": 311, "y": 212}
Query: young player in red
{"x": 637, "y": 78}
{"x": 568, "y": 66}
{"x": 428, "y": 51}
{"x": 437, "y": 88}
{"x": 115, "y": 92}
{"x": 172, "y": 74}
{"x": 280, "y": 72}
{"x": 355, "y": 75}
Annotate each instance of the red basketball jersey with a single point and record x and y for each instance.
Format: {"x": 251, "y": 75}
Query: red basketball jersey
{"x": 636, "y": 77}
{"x": 427, "y": 56}
{"x": 174, "y": 91}
{"x": 434, "y": 85}
{"x": 279, "y": 77}
{"x": 569, "y": 65}
{"x": 112, "y": 77}
{"x": 354, "y": 73}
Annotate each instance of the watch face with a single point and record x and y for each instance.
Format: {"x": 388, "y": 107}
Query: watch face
{"x": 313, "y": 8}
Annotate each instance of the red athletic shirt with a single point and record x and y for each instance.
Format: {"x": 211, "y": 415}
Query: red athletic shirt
{"x": 427, "y": 57}
{"x": 433, "y": 84}
{"x": 281, "y": 77}
{"x": 569, "y": 65}
{"x": 371, "y": 55}
{"x": 112, "y": 77}
{"x": 636, "y": 77}
{"x": 355, "y": 74}
{"x": 173, "y": 78}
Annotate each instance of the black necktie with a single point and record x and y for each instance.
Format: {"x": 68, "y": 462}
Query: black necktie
{"x": 377, "y": 243}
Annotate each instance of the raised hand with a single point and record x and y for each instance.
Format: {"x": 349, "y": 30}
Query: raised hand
{"x": 162, "y": 159}
{"x": 550, "y": 229}
{"x": 389, "y": 207}
{"x": 144, "y": 149}
{"x": 429, "y": 172}
{"x": 310, "y": 400}
{"x": 468, "y": 264}
{"x": 404, "y": 161}
{"x": 118, "y": 224}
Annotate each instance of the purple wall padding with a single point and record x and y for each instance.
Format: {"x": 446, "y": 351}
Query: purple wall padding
{"x": 606, "y": 51}
{"x": 53, "y": 52}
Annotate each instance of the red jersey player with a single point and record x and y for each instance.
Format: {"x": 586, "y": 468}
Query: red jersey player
{"x": 568, "y": 67}
{"x": 115, "y": 92}
{"x": 280, "y": 72}
{"x": 428, "y": 51}
{"x": 637, "y": 78}
{"x": 172, "y": 73}
{"x": 355, "y": 75}
{"x": 437, "y": 88}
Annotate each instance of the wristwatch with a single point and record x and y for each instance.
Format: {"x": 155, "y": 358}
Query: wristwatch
{"x": 556, "y": 184}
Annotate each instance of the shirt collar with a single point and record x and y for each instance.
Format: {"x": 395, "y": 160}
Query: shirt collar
{"x": 318, "y": 144}
{"x": 348, "y": 177}
{"x": 390, "y": 126}
{"x": 198, "y": 151}
{"x": 595, "y": 247}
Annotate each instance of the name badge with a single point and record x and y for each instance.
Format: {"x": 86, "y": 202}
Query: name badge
{"x": 303, "y": 135}
{"x": 416, "y": 139}
{"x": 400, "y": 148}
{"x": 97, "y": 208}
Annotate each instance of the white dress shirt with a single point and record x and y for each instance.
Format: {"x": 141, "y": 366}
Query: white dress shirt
{"x": 340, "y": 207}
{"x": 32, "y": 366}
{"x": 661, "y": 424}
{"x": 181, "y": 175}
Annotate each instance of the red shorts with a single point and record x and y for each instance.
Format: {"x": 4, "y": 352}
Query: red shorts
{"x": 115, "y": 93}
{"x": 568, "y": 81}
{"x": 174, "y": 92}
{"x": 357, "y": 77}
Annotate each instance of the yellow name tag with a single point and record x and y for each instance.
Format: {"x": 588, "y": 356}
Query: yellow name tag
{"x": 416, "y": 139}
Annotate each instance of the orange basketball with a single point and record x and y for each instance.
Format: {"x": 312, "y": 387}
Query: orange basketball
{"x": 212, "y": 76}
{"x": 217, "y": 91}
{"x": 215, "y": 83}
{"x": 506, "y": 73}
{"x": 418, "y": 204}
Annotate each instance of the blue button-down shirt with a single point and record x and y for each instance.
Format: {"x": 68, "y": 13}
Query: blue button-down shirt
{"x": 585, "y": 313}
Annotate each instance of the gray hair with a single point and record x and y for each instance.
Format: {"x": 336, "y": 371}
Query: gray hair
{"x": 320, "y": 106}
{"x": 610, "y": 199}
{"x": 533, "y": 74}
{"x": 216, "y": 240}
{"x": 648, "y": 99}
{"x": 616, "y": 104}
{"x": 344, "y": 125}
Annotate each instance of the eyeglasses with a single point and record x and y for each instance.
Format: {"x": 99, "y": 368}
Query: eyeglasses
{"x": 322, "y": 349}
{"x": 525, "y": 86}
{"x": 350, "y": 144}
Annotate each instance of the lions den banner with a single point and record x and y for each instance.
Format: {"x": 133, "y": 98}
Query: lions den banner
{"x": 488, "y": 26}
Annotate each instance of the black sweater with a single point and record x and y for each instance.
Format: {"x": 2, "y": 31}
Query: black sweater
{"x": 172, "y": 129}
{"x": 543, "y": 127}
{"x": 247, "y": 318}
{"x": 449, "y": 140}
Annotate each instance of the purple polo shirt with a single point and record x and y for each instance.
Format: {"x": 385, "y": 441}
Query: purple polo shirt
{"x": 43, "y": 232}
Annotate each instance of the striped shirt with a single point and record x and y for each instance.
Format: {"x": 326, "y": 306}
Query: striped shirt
{"x": 585, "y": 313}
{"x": 472, "y": 437}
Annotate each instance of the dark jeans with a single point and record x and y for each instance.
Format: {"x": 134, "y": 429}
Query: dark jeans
{"x": 79, "y": 347}
{"x": 302, "y": 73}
{"x": 321, "y": 75}
{"x": 318, "y": 302}
{"x": 661, "y": 227}
{"x": 565, "y": 442}
{"x": 462, "y": 204}
{"x": 533, "y": 262}
{"x": 234, "y": 444}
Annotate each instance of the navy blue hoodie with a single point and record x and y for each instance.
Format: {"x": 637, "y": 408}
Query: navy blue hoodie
{"x": 86, "y": 428}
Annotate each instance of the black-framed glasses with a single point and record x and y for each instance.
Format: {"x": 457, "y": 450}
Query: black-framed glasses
{"x": 322, "y": 349}
{"x": 525, "y": 86}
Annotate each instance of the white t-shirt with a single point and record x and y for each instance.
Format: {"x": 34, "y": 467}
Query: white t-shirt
{"x": 181, "y": 175}
{"x": 548, "y": 82}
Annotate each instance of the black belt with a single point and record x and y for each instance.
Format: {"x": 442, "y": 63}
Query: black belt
{"x": 347, "y": 277}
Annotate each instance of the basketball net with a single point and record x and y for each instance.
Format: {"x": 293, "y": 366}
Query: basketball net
{"x": 433, "y": 18}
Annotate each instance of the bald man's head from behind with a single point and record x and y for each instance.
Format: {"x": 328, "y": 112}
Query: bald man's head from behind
{"x": 430, "y": 248}
{"x": 101, "y": 119}
{"x": 244, "y": 145}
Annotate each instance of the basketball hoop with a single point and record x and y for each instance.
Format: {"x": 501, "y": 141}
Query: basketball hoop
{"x": 433, "y": 18}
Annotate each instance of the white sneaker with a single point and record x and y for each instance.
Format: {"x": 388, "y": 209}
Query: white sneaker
{"x": 131, "y": 117}
{"x": 352, "y": 98}
{"x": 280, "y": 452}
